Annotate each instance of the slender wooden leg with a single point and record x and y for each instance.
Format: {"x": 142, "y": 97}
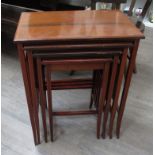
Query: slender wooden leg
{"x": 33, "y": 91}
{"x": 97, "y": 82}
{"x": 42, "y": 97}
{"x": 99, "y": 78}
{"x": 27, "y": 90}
{"x": 43, "y": 76}
{"x": 50, "y": 111}
{"x": 102, "y": 97}
{"x": 118, "y": 88}
{"x": 36, "y": 84}
{"x": 38, "y": 99}
{"x": 110, "y": 93}
{"x": 98, "y": 87}
{"x": 94, "y": 95}
{"x": 91, "y": 99}
{"x": 126, "y": 87}
{"x": 95, "y": 89}
{"x": 45, "y": 99}
{"x": 92, "y": 91}
{"x": 135, "y": 68}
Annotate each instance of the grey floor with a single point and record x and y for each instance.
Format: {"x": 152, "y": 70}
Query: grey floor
{"x": 76, "y": 135}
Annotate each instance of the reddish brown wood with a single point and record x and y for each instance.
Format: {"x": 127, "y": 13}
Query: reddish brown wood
{"x": 60, "y": 87}
{"x": 77, "y": 64}
{"x": 104, "y": 85}
{"x": 118, "y": 87}
{"x": 85, "y": 64}
{"x": 33, "y": 92}
{"x": 49, "y": 96}
{"x": 99, "y": 84}
{"x": 71, "y": 113}
{"x": 95, "y": 90}
{"x": 39, "y": 30}
{"x": 97, "y": 87}
{"x": 72, "y": 81}
{"x": 92, "y": 91}
{"x": 88, "y": 53}
{"x": 110, "y": 93}
{"x": 77, "y": 46}
{"x": 27, "y": 90}
{"x": 74, "y": 25}
{"x": 42, "y": 97}
{"x": 126, "y": 87}
{"x": 70, "y": 84}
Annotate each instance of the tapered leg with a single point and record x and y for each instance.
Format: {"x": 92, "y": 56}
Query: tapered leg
{"x": 102, "y": 97}
{"x": 96, "y": 93}
{"x": 118, "y": 88}
{"x": 42, "y": 97}
{"x": 50, "y": 111}
{"x": 110, "y": 93}
{"x": 45, "y": 99}
{"x": 135, "y": 68}
{"x": 95, "y": 89}
{"x": 43, "y": 76}
{"x": 27, "y": 90}
{"x": 92, "y": 91}
{"x": 33, "y": 91}
{"x": 98, "y": 87}
{"x": 126, "y": 87}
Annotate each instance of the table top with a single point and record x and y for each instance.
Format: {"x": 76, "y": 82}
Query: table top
{"x": 63, "y": 25}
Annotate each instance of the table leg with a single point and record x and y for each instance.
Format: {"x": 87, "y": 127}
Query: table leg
{"x": 118, "y": 88}
{"x": 27, "y": 90}
{"x": 98, "y": 86}
{"x": 92, "y": 92}
{"x": 42, "y": 97}
{"x": 49, "y": 94}
{"x": 95, "y": 88}
{"x": 110, "y": 93}
{"x": 126, "y": 86}
{"x": 33, "y": 91}
{"x": 102, "y": 97}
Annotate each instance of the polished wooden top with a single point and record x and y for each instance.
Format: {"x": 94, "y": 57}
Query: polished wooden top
{"x": 62, "y": 25}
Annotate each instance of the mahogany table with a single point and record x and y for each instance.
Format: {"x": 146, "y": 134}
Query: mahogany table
{"x": 76, "y": 31}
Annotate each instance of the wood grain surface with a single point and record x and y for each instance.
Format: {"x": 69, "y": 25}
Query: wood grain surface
{"x": 62, "y": 25}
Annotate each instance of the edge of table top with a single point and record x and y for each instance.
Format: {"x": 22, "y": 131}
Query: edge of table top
{"x": 77, "y": 38}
